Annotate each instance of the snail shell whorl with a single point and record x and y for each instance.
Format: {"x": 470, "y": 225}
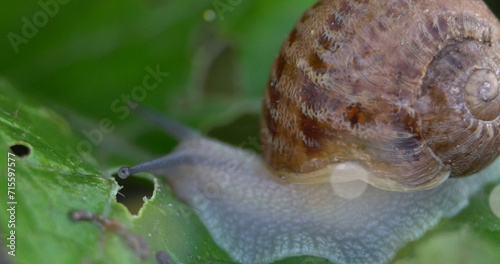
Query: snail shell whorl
{"x": 409, "y": 92}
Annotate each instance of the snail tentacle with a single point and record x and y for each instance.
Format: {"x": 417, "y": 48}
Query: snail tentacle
{"x": 160, "y": 164}
{"x": 172, "y": 127}
{"x": 182, "y": 157}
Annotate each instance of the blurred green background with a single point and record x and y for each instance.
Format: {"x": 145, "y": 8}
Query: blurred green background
{"x": 91, "y": 52}
{"x": 86, "y": 55}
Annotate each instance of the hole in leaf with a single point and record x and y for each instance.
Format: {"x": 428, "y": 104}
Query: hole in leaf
{"x": 134, "y": 189}
{"x": 20, "y": 150}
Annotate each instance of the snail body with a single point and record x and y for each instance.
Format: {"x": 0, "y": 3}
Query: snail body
{"x": 257, "y": 219}
{"x": 397, "y": 96}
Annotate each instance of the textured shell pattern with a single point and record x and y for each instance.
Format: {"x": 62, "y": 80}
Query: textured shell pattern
{"x": 407, "y": 90}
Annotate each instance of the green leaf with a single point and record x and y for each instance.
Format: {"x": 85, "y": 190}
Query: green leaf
{"x": 461, "y": 246}
{"x": 57, "y": 178}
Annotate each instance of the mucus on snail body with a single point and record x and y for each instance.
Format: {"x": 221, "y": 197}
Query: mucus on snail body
{"x": 404, "y": 97}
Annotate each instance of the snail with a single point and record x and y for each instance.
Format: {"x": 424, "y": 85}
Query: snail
{"x": 400, "y": 95}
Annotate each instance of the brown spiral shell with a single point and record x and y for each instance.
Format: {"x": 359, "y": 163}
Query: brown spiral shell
{"x": 406, "y": 90}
